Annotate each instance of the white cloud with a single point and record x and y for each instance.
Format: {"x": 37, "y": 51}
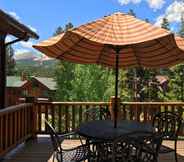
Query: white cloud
{"x": 156, "y": 4}
{"x": 125, "y": 2}
{"x": 172, "y": 13}
{"x": 14, "y": 15}
{"x": 8, "y": 39}
{"x": 159, "y": 20}
{"x": 22, "y": 53}
{"x": 28, "y": 44}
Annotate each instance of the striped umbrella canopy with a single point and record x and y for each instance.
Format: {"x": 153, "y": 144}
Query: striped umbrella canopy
{"x": 118, "y": 41}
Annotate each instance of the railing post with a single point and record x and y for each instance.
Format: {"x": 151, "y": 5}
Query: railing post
{"x": 112, "y": 105}
{"x": 33, "y": 116}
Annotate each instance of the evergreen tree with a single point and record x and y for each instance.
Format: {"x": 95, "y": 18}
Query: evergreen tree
{"x": 59, "y": 30}
{"x": 68, "y": 26}
{"x": 10, "y": 61}
{"x": 64, "y": 73}
{"x": 181, "y": 30}
{"x": 76, "y": 82}
{"x": 147, "y": 20}
{"x": 165, "y": 24}
{"x": 177, "y": 81}
{"x": 132, "y": 13}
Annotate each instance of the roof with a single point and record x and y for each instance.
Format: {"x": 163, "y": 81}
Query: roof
{"x": 9, "y": 25}
{"x": 14, "y": 81}
{"x": 162, "y": 78}
{"x": 48, "y": 82}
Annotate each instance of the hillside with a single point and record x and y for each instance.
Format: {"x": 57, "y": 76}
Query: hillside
{"x": 31, "y": 67}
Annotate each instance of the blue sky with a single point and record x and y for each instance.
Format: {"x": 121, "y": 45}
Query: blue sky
{"x": 44, "y": 16}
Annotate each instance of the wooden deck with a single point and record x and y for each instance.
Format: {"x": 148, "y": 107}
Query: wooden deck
{"x": 41, "y": 151}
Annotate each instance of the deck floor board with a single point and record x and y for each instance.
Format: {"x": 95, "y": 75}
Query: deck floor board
{"x": 40, "y": 150}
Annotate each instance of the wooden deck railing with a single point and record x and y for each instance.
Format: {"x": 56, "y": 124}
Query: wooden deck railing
{"x": 66, "y": 116}
{"x": 15, "y": 126}
{"x": 18, "y": 123}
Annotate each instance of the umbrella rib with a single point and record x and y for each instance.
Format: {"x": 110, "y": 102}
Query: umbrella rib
{"x": 137, "y": 59}
{"x": 100, "y": 55}
{"x": 163, "y": 45}
{"x": 70, "y": 48}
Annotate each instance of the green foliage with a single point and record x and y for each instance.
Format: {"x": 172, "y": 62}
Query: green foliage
{"x": 181, "y": 30}
{"x": 142, "y": 84}
{"x": 59, "y": 30}
{"x": 177, "y": 83}
{"x": 165, "y": 24}
{"x": 10, "y": 61}
{"x": 92, "y": 83}
{"x": 132, "y": 13}
{"x": 64, "y": 77}
{"x": 83, "y": 83}
{"x": 33, "y": 68}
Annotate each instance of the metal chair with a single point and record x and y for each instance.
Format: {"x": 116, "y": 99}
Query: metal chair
{"x": 137, "y": 147}
{"x": 97, "y": 114}
{"x": 168, "y": 123}
{"x": 77, "y": 154}
{"x": 91, "y": 114}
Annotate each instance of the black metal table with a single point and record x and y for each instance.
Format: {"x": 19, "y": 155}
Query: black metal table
{"x": 104, "y": 129}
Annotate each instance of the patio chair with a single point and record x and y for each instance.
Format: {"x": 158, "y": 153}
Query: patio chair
{"x": 137, "y": 147}
{"x": 168, "y": 123}
{"x": 76, "y": 154}
{"x": 97, "y": 114}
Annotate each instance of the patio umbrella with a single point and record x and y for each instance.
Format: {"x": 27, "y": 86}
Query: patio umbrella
{"x": 117, "y": 41}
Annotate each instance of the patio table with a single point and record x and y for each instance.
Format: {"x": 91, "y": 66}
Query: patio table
{"x": 104, "y": 129}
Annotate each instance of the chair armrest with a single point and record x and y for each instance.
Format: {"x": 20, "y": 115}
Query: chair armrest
{"x": 84, "y": 146}
{"x": 67, "y": 134}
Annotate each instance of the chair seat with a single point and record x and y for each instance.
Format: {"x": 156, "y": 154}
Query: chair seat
{"x": 76, "y": 155}
{"x": 165, "y": 149}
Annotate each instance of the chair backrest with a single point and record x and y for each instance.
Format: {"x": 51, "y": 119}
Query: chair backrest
{"x": 56, "y": 141}
{"x": 167, "y": 123}
{"x": 97, "y": 114}
{"x": 137, "y": 146}
{"x": 149, "y": 147}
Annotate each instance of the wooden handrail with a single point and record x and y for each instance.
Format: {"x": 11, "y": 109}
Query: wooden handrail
{"x": 14, "y": 108}
{"x": 65, "y": 116}
{"x": 15, "y": 126}
{"x": 74, "y": 103}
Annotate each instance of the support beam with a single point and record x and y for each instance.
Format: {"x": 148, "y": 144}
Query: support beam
{"x": 2, "y": 70}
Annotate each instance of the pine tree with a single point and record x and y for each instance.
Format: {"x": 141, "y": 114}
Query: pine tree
{"x": 68, "y": 26}
{"x": 181, "y": 31}
{"x": 132, "y": 13}
{"x": 10, "y": 61}
{"x": 147, "y": 20}
{"x": 64, "y": 73}
{"x": 165, "y": 24}
{"x": 177, "y": 81}
{"x": 59, "y": 30}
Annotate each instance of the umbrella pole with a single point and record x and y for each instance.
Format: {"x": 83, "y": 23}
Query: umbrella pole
{"x": 117, "y": 49}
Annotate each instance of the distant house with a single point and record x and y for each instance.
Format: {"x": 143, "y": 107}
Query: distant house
{"x": 13, "y": 89}
{"x": 21, "y": 87}
{"x": 163, "y": 81}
